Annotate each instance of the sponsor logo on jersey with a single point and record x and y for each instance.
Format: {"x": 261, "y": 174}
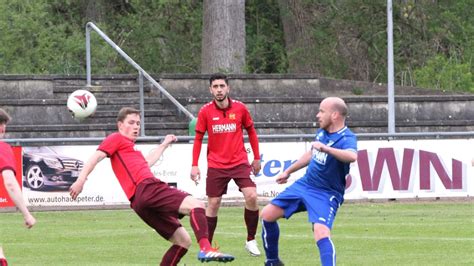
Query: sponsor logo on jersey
{"x": 224, "y": 128}
{"x": 320, "y": 157}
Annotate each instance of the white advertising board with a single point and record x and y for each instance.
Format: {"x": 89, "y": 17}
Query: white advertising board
{"x": 384, "y": 169}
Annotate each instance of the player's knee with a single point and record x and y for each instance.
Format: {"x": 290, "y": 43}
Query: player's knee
{"x": 193, "y": 202}
{"x": 269, "y": 213}
{"x": 181, "y": 238}
{"x": 198, "y": 204}
{"x": 214, "y": 203}
{"x": 321, "y": 231}
{"x": 263, "y": 214}
{"x": 187, "y": 242}
{"x": 251, "y": 196}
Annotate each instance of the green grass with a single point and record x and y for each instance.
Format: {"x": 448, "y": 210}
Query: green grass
{"x": 396, "y": 233}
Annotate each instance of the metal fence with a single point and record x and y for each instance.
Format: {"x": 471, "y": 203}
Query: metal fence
{"x": 141, "y": 74}
{"x": 262, "y": 138}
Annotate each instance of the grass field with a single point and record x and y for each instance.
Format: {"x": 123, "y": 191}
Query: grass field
{"x": 392, "y": 233}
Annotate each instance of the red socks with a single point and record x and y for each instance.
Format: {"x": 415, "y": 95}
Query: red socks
{"x": 197, "y": 217}
{"x": 211, "y": 224}
{"x": 251, "y": 221}
{"x": 173, "y": 255}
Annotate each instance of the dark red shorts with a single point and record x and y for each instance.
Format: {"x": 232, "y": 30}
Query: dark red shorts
{"x": 218, "y": 179}
{"x": 158, "y": 205}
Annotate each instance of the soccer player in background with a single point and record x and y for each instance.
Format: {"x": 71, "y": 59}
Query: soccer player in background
{"x": 7, "y": 173}
{"x": 158, "y": 204}
{"x": 320, "y": 191}
{"x": 224, "y": 120}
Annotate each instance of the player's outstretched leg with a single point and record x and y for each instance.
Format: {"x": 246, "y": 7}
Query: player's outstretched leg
{"x": 199, "y": 225}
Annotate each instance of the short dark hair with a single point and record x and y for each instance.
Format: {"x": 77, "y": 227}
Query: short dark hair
{"x": 4, "y": 117}
{"x": 217, "y": 76}
{"x": 341, "y": 108}
{"x": 122, "y": 114}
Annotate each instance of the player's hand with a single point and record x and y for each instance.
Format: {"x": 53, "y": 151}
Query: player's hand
{"x": 29, "y": 220}
{"x": 169, "y": 139}
{"x": 282, "y": 178}
{"x": 256, "y": 166}
{"x": 317, "y": 146}
{"x": 195, "y": 174}
{"x": 76, "y": 189}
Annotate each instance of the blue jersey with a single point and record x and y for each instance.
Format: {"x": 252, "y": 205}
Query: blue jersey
{"x": 324, "y": 171}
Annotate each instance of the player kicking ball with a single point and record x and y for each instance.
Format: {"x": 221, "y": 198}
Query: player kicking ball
{"x": 157, "y": 204}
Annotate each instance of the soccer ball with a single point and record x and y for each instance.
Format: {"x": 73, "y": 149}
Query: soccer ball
{"x": 81, "y": 104}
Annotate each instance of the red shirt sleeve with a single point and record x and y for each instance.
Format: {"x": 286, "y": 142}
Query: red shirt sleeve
{"x": 252, "y": 133}
{"x": 197, "y": 147}
{"x": 110, "y": 144}
{"x": 201, "y": 124}
{"x": 253, "y": 138}
{"x": 7, "y": 159}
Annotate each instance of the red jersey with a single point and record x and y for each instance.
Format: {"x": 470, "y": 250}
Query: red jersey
{"x": 224, "y": 127}
{"x": 129, "y": 165}
{"x": 7, "y": 159}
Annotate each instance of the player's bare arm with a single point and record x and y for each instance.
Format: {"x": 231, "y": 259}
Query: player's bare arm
{"x": 77, "y": 187}
{"x": 303, "y": 161}
{"x": 346, "y": 156}
{"x": 156, "y": 153}
{"x": 14, "y": 192}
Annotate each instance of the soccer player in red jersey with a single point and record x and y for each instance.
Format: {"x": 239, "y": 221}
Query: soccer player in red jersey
{"x": 7, "y": 173}
{"x": 224, "y": 120}
{"x": 159, "y": 205}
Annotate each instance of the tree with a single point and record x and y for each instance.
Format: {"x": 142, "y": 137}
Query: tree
{"x": 296, "y": 17}
{"x": 223, "y": 36}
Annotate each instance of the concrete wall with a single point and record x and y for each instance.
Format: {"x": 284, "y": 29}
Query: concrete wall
{"x": 280, "y": 104}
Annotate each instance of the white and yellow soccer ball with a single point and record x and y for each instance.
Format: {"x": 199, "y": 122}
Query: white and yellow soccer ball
{"x": 81, "y": 104}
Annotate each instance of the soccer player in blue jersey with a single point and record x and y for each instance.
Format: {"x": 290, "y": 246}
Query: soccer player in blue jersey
{"x": 320, "y": 191}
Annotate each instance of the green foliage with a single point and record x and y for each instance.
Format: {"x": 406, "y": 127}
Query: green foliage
{"x": 358, "y": 91}
{"x": 163, "y": 36}
{"x": 264, "y": 41}
{"x": 349, "y": 38}
{"x": 441, "y": 73}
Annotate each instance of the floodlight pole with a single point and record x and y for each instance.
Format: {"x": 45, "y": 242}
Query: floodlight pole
{"x": 390, "y": 70}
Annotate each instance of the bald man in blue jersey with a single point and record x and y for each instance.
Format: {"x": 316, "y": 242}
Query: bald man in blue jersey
{"x": 320, "y": 191}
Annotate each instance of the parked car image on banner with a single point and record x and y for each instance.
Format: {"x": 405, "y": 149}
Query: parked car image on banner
{"x": 44, "y": 169}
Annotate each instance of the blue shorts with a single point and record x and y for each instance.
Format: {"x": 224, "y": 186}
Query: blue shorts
{"x": 300, "y": 196}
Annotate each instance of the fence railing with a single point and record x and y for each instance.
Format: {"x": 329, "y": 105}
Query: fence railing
{"x": 263, "y": 138}
{"x": 141, "y": 74}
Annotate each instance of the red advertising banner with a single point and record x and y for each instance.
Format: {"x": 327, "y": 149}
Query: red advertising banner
{"x": 5, "y": 200}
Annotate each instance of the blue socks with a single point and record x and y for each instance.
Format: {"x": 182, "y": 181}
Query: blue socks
{"x": 327, "y": 252}
{"x": 270, "y": 236}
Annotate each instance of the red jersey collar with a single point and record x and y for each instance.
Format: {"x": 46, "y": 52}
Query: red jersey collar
{"x": 223, "y": 109}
